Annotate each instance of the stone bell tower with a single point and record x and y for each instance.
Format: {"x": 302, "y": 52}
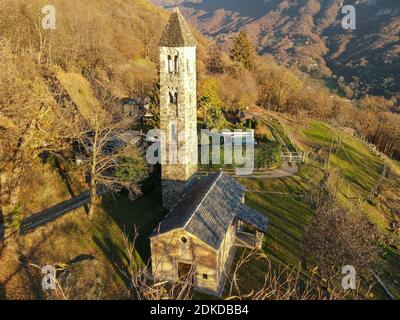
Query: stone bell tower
{"x": 178, "y": 114}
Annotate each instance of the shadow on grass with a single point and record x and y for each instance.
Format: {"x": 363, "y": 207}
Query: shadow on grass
{"x": 81, "y": 258}
{"x": 288, "y": 219}
{"x": 34, "y": 284}
{"x": 2, "y": 292}
{"x": 145, "y": 213}
{"x": 115, "y": 255}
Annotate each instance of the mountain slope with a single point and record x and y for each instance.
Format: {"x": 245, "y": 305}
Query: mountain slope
{"x": 308, "y": 34}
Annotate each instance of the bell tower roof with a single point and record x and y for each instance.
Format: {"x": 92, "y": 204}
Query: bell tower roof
{"x": 177, "y": 33}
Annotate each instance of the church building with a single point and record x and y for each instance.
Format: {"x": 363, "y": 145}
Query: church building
{"x": 207, "y": 217}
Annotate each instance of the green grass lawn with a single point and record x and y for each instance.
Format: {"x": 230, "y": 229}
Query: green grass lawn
{"x": 289, "y": 215}
{"x": 232, "y": 161}
{"x": 360, "y": 168}
{"x": 356, "y": 162}
{"x": 278, "y": 132}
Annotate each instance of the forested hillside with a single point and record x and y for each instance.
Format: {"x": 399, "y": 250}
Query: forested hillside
{"x": 52, "y": 84}
{"x": 308, "y": 34}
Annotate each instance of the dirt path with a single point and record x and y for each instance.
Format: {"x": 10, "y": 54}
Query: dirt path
{"x": 50, "y": 214}
{"x": 285, "y": 170}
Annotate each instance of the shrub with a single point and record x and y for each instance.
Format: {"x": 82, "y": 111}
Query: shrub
{"x": 267, "y": 154}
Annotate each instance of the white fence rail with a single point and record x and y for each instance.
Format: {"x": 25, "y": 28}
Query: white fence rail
{"x": 294, "y": 157}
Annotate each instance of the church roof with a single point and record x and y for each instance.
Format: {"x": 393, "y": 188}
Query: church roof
{"x": 177, "y": 32}
{"x": 252, "y": 217}
{"x": 208, "y": 209}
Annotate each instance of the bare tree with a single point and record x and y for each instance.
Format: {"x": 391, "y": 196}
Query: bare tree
{"x": 279, "y": 282}
{"x": 111, "y": 163}
{"x": 282, "y": 282}
{"x": 339, "y": 235}
{"x": 215, "y": 62}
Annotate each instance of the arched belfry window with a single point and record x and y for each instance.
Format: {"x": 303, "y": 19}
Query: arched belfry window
{"x": 170, "y": 66}
{"x": 176, "y": 63}
{"x": 171, "y": 98}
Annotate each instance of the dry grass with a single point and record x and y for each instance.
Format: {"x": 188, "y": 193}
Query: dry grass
{"x": 97, "y": 247}
{"x": 80, "y": 92}
{"x": 45, "y": 191}
{"x": 89, "y": 252}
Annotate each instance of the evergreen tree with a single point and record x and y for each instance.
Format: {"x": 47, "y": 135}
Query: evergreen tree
{"x": 243, "y": 52}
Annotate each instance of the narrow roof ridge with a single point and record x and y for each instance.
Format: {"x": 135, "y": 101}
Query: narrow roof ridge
{"x": 202, "y": 200}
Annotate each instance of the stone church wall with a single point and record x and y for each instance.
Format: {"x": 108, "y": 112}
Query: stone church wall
{"x": 168, "y": 249}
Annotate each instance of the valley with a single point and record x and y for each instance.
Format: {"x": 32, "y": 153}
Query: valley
{"x": 308, "y": 34}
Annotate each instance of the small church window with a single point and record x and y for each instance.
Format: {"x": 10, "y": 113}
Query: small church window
{"x": 176, "y": 63}
{"x": 170, "y": 67}
{"x": 176, "y": 98}
{"x": 205, "y": 276}
{"x": 184, "y": 240}
{"x": 171, "y": 98}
